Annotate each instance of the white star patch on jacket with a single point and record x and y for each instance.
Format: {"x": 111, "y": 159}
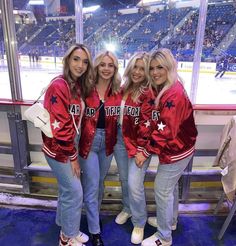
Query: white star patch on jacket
{"x": 161, "y": 126}
{"x": 55, "y": 124}
{"x": 147, "y": 123}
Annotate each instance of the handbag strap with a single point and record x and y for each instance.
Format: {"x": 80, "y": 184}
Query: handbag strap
{"x": 44, "y": 90}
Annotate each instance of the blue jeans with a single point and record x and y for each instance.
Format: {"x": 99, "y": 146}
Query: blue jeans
{"x": 137, "y": 198}
{"x": 166, "y": 195}
{"x": 95, "y": 169}
{"x": 70, "y": 197}
{"x": 121, "y": 157}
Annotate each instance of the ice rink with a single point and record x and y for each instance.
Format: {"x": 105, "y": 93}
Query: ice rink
{"x": 34, "y": 77}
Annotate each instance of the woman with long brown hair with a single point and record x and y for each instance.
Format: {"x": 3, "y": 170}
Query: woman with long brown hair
{"x": 64, "y": 100}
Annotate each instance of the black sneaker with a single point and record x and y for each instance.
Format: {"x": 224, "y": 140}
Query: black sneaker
{"x": 96, "y": 240}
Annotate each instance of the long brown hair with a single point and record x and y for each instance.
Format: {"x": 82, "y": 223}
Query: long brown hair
{"x": 86, "y": 80}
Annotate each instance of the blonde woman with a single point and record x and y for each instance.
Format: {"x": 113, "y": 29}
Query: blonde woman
{"x": 64, "y": 102}
{"x": 99, "y": 137}
{"x": 136, "y": 107}
{"x": 172, "y": 139}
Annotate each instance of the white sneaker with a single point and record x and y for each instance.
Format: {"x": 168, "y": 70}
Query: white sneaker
{"x": 122, "y": 217}
{"x": 64, "y": 241}
{"x": 81, "y": 237}
{"x": 137, "y": 235}
{"x": 152, "y": 221}
{"x": 154, "y": 241}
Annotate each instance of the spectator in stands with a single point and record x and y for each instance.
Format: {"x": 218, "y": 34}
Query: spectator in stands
{"x": 136, "y": 108}
{"x": 172, "y": 139}
{"x": 98, "y": 137}
{"x": 64, "y": 102}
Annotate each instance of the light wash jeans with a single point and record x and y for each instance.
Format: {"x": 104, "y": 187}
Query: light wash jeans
{"x": 137, "y": 198}
{"x": 121, "y": 157}
{"x": 95, "y": 169}
{"x": 70, "y": 197}
{"x": 166, "y": 195}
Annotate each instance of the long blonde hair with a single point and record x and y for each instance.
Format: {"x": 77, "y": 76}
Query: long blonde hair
{"x": 86, "y": 80}
{"x": 167, "y": 61}
{"x": 128, "y": 83}
{"x": 116, "y": 79}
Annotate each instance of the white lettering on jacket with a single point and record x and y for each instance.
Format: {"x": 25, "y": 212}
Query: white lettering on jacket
{"x": 112, "y": 110}
{"x": 74, "y": 109}
{"x": 155, "y": 115}
{"x": 132, "y": 111}
{"x": 90, "y": 111}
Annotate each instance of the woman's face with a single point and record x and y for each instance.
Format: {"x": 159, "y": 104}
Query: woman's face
{"x": 106, "y": 68}
{"x": 138, "y": 72}
{"x": 157, "y": 72}
{"x": 78, "y": 63}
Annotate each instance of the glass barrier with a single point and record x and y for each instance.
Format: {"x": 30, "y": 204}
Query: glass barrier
{"x": 39, "y": 43}
{"x": 44, "y": 32}
{"x": 5, "y": 90}
{"x": 217, "y": 81}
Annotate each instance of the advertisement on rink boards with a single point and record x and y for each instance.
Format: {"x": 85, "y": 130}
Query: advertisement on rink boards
{"x": 205, "y": 67}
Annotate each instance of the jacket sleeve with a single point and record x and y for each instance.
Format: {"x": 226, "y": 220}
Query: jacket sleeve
{"x": 57, "y": 100}
{"x": 172, "y": 112}
{"x": 226, "y": 152}
{"x": 144, "y": 127}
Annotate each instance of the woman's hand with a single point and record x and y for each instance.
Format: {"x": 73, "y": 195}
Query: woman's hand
{"x": 75, "y": 168}
{"x": 140, "y": 159}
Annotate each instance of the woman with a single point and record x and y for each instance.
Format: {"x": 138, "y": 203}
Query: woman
{"x": 99, "y": 137}
{"x": 136, "y": 108}
{"x": 173, "y": 139}
{"x": 64, "y": 102}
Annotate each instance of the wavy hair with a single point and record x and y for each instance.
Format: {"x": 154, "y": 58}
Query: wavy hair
{"x": 129, "y": 86}
{"x": 86, "y": 80}
{"x": 116, "y": 79}
{"x": 167, "y": 61}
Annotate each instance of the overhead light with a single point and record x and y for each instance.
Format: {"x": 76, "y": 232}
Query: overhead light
{"x": 90, "y": 9}
{"x": 148, "y": 2}
{"x": 110, "y": 47}
{"x": 36, "y": 2}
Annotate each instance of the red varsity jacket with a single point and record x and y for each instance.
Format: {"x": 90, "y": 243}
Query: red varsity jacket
{"x": 90, "y": 118}
{"x": 60, "y": 105}
{"x": 173, "y": 128}
{"x": 136, "y": 123}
